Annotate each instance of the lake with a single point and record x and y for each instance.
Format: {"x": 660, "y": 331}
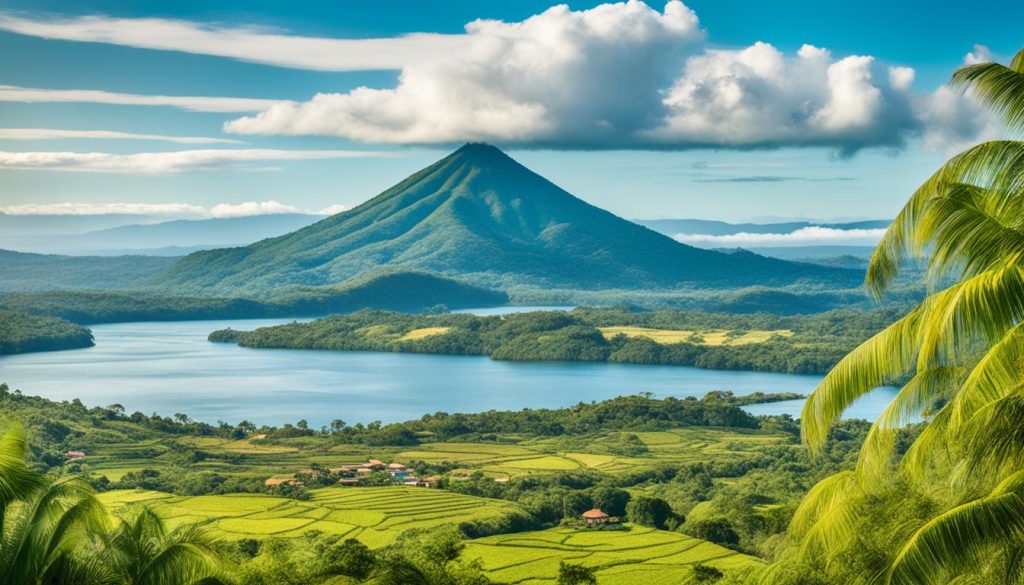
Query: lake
{"x": 170, "y": 367}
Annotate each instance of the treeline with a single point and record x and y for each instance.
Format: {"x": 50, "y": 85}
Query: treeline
{"x": 56, "y": 427}
{"x": 21, "y": 333}
{"x": 405, "y": 291}
{"x": 817, "y": 343}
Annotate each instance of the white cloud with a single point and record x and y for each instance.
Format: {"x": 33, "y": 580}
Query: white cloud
{"x": 978, "y": 54}
{"x": 167, "y": 162}
{"x": 584, "y": 77}
{"x": 246, "y": 43}
{"x": 625, "y": 76}
{"x": 11, "y": 93}
{"x": 334, "y": 209}
{"x": 250, "y": 208}
{"x": 180, "y": 210}
{"x": 807, "y": 236}
{"x": 52, "y": 134}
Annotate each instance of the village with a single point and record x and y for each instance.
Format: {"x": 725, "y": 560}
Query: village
{"x": 371, "y": 473}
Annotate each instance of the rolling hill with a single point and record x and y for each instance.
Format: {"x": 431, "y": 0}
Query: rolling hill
{"x": 481, "y": 216}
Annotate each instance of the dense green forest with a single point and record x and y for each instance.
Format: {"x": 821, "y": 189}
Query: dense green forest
{"x": 20, "y": 333}
{"x": 794, "y": 344}
{"x": 398, "y": 291}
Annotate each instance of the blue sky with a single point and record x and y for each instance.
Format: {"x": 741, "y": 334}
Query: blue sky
{"x": 687, "y": 118}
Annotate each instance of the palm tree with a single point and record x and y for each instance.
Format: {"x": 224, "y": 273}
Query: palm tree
{"x": 141, "y": 551}
{"x": 44, "y": 525}
{"x": 962, "y": 349}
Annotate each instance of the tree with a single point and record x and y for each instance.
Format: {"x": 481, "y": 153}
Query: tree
{"x": 611, "y": 500}
{"x": 716, "y": 530}
{"x": 573, "y": 574}
{"x": 142, "y": 551}
{"x": 961, "y": 350}
{"x": 43, "y": 525}
{"x": 646, "y": 511}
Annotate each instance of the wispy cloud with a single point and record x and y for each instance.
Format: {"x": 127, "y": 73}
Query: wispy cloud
{"x": 53, "y": 134}
{"x": 168, "y": 162}
{"x": 12, "y": 93}
{"x": 807, "y": 236}
{"x": 771, "y": 179}
{"x": 183, "y": 210}
{"x": 245, "y": 43}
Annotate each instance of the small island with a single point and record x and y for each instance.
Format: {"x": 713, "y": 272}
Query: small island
{"x": 22, "y": 333}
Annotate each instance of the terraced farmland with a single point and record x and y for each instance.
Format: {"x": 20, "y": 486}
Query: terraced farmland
{"x": 639, "y": 555}
{"x": 376, "y": 515}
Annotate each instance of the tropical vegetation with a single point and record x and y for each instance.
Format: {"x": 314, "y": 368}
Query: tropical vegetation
{"x": 947, "y": 507}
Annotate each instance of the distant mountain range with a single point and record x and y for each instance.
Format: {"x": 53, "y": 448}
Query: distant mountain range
{"x": 480, "y": 216}
{"x": 75, "y": 234}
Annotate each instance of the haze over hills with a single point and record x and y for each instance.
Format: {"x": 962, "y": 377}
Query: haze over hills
{"x": 132, "y": 236}
{"x": 479, "y": 215}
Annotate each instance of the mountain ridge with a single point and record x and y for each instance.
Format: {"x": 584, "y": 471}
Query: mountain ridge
{"x": 479, "y": 215}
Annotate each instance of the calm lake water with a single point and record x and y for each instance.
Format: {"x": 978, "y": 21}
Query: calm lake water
{"x": 171, "y": 367}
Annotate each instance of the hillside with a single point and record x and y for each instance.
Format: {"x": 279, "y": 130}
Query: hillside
{"x": 480, "y": 215}
{"x": 41, "y": 272}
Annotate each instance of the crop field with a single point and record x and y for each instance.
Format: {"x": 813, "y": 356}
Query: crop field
{"x": 636, "y": 555}
{"x": 711, "y": 337}
{"x": 375, "y": 515}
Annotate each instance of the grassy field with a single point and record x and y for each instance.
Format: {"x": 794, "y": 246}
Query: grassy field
{"x": 374, "y": 515}
{"x": 637, "y": 555}
{"x": 424, "y": 332}
{"x": 711, "y": 337}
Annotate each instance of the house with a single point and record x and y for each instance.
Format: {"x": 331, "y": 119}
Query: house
{"x": 348, "y": 482}
{"x": 344, "y": 469}
{"x": 375, "y": 463}
{"x": 398, "y": 471}
{"x": 595, "y": 517}
{"x": 411, "y": 481}
{"x": 74, "y": 454}
{"x": 279, "y": 482}
{"x": 364, "y": 471}
{"x": 396, "y": 467}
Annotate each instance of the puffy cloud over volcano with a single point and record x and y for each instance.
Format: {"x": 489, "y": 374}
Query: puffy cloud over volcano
{"x": 628, "y": 76}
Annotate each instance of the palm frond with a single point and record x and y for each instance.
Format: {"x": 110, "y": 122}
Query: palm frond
{"x": 886, "y": 355}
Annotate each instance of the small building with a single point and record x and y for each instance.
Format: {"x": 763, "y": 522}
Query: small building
{"x": 348, "y": 482}
{"x": 364, "y": 471}
{"x": 594, "y": 517}
{"x": 411, "y": 481}
{"x": 344, "y": 469}
{"x": 376, "y": 463}
{"x": 396, "y": 467}
{"x": 280, "y": 481}
{"x": 74, "y": 454}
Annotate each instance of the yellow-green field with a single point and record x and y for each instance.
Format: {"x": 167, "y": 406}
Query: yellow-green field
{"x": 710, "y": 337}
{"x": 684, "y": 445}
{"x": 636, "y": 556}
{"x": 424, "y": 332}
{"x": 374, "y": 515}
